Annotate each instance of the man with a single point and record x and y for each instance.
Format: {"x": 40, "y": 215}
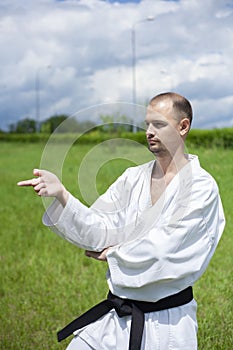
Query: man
{"x": 157, "y": 227}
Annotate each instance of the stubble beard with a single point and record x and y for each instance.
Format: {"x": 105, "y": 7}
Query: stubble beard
{"x": 157, "y": 149}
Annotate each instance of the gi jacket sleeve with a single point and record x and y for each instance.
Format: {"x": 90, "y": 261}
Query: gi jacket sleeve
{"x": 176, "y": 247}
{"x": 93, "y": 228}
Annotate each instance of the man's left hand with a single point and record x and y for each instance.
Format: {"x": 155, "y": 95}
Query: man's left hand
{"x": 101, "y": 256}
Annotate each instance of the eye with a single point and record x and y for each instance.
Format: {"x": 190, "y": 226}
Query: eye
{"x": 158, "y": 125}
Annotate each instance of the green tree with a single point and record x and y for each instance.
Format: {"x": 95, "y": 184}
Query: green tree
{"x": 115, "y": 123}
{"x": 51, "y": 124}
{"x": 24, "y": 126}
{"x": 86, "y": 126}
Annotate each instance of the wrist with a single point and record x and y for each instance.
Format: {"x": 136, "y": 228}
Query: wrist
{"x": 63, "y": 196}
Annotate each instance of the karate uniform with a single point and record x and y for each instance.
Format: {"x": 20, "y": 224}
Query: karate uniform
{"x": 157, "y": 250}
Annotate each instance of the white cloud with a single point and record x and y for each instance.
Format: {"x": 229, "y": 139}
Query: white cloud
{"x": 220, "y": 115}
{"x": 87, "y": 44}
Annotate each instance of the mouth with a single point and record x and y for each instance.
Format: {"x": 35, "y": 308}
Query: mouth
{"x": 153, "y": 142}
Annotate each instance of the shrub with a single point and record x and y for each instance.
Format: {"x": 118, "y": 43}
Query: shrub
{"x": 211, "y": 138}
{"x": 196, "y": 138}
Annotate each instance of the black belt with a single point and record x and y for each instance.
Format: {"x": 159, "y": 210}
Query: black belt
{"x": 125, "y": 307}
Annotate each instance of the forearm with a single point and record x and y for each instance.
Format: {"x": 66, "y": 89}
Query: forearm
{"x": 81, "y": 225}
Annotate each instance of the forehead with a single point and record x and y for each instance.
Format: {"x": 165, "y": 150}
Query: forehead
{"x": 160, "y": 112}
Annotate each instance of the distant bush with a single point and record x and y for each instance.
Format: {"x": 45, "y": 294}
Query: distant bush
{"x": 31, "y": 137}
{"x": 211, "y": 138}
{"x": 100, "y": 136}
{"x": 197, "y": 138}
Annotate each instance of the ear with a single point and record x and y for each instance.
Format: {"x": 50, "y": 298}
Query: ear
{"x": 184, "y": 126}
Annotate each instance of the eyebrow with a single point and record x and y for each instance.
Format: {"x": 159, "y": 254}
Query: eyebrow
{"x": 156, "y": 121}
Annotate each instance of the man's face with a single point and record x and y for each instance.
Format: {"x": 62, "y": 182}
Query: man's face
{"x": 162, "y": 129}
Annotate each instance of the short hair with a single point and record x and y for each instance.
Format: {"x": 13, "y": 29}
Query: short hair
{"x": 180, "y": 104}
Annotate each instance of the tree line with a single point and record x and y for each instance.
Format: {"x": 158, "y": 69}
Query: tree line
{"x": 63, "y": 123}
{"x": 48, "y": 126}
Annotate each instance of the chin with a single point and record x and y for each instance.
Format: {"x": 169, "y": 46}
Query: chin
{"x": 154, "y": 149}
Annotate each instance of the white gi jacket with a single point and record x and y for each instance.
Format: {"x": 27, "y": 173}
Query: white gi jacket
{"x": 156, "y": 250}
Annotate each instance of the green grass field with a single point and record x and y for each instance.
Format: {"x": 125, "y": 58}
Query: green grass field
{"x": 46, "y": 282}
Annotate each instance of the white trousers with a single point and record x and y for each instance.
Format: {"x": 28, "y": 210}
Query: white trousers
{"x": 173, "y": 329}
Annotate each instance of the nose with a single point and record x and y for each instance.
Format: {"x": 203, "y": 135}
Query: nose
{"x": 150, "y": 132}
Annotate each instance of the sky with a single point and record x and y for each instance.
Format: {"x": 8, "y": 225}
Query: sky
{"x": 75, "y": 54}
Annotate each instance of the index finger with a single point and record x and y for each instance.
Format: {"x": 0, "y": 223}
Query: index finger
{"x": 26, "y": 183}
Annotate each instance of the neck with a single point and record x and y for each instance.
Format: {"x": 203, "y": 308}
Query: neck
{"x": 166, "y": 163}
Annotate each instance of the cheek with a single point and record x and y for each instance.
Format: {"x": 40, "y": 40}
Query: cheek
{"x": 169, "y": 136}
